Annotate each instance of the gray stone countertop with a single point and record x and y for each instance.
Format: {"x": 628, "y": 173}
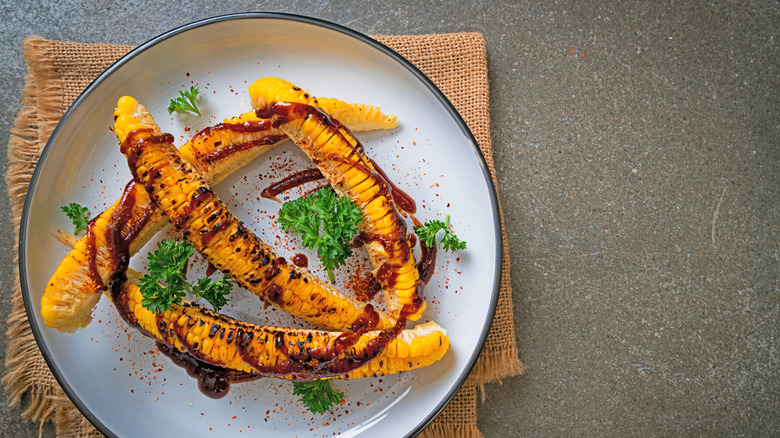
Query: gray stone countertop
{"x": 636, "y": 146}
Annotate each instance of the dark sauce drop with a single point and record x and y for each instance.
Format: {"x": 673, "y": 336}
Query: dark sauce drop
{"x": 427, "y": 263}
{"x": 275, "y": 294}
{"x": 300, "y": 260}
{"x": 210, "y": 270}
{"x": 213, "y": 381}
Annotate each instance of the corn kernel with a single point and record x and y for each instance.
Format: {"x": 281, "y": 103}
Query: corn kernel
{"x": 403, "y": 349}
{"x": 126, "y": 105}
{"x": 207, "y": 345}
{"x": 417, "y": 348}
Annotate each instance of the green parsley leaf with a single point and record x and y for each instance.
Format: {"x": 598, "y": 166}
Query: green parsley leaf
{"x": 317, "y": 395}
{"x": 430, "y": 229}
{"x": 339, "y": 217}
{"x": 165, "y": 284}
{"x": 78, "y": 215}
{"x": 186, "y": 101}
{"x": 213, "y": 292}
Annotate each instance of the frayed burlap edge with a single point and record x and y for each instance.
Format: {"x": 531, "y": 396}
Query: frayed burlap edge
{"x": 23, "y": 152}
{"x": 70, "y": 423}
{"x": 436, "y": 430}
{"x": 31, "y": 130}
{"x": 459, "y": 418}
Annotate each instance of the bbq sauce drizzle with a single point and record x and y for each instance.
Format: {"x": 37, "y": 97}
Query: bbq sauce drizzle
{"x": 331, "y": 359}
{"x": 132, "y": 218}
{"x": 284, "y": 112}
{"x": 127, "y": 217}
{"x": 319, "y": 362}
{"x": 290, "y": 182}
{"x": 220, "y": 151}
{"x": 213, "y": 381}
{"x": 327, "y": 361}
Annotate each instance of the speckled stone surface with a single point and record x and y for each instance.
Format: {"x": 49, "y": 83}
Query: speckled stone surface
{"x": 637, "y": 147}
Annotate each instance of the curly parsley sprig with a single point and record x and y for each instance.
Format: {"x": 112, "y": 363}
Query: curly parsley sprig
{"x": 430, "y": 229}
{"x": 325, "y": 221}
{"x": 317, "y": 395}
{"x": 165, "y": 284}
{"x": 78, "y": 215}
{"x": 186, "y": 101}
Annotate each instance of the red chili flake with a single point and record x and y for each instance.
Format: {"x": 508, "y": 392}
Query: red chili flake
{"x": 571, "y": 51}
{"x": 585, "y": 54}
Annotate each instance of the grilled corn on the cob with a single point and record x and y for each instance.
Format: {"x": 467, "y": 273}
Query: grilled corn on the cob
{"x": 282, "y": 352}
{"x": 341, "y": 158}
{"x": 74, "y": 289}
{"x": 215, "y": 232}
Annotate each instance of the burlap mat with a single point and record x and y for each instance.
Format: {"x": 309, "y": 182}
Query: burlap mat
{"x": 59, "y": 71}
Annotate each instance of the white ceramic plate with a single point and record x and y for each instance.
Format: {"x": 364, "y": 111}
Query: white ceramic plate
{"x": 114, "y": 374}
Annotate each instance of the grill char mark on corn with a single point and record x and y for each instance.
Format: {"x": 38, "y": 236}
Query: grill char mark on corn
{"x": 216, "y": 233}
{"x": 76, "y": 285}
{"x": 222, "y": 341}
{"x": 341, "y": 158}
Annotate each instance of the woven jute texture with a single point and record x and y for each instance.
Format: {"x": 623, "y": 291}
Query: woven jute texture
{"x": 59, "y": 71}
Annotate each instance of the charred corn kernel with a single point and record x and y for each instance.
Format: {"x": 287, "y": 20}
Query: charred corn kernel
{"x": 283, "y": 92}
{"x": 73, "y": 290}
{"x": 197, "y": 330}
{"x": 207, "y": 345}
{"x": 249, "y": 116}
{"x": 341, "y": 159}
{"x": 249, "y": 348}
{"x": 216, "y": 233}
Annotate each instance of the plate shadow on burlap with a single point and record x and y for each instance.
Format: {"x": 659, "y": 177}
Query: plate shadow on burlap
{"x": 59, "y": 71}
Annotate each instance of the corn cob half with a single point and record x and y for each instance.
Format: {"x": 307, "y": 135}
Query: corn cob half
{"x": 204, "y": 220}
{"x": 76, "y": 285}
{"x": 341, "y": 159}
{"x": 294, "y": 354}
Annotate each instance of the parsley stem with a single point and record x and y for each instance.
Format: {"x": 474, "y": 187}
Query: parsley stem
{"x": 331, "y": 276}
